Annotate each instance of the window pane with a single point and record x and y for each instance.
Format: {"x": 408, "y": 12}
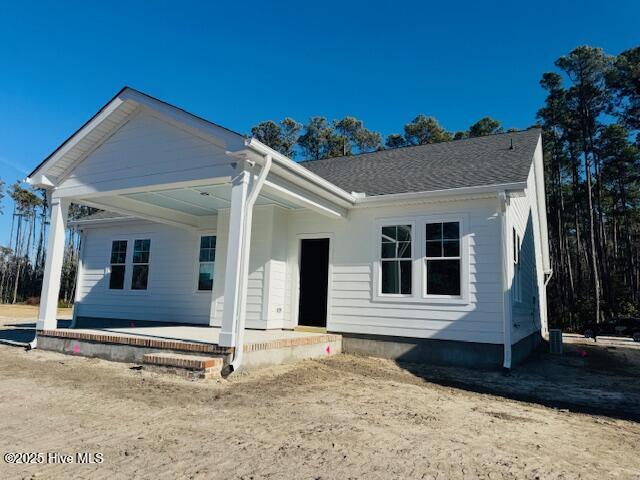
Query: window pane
{"x": 405, "y": 277}
{"x": 116, "y": 278}
{"x": 434, "y": 249}
{"x": 388, "y": 250}
{"x": 389, "y": 234}
{"x": 139, "y": 277}
{"x": 141, "y": 251}
{"x": 404, "y": 249}
{"x": 434, "y": 231}
{"x": 451, "y": 248}
{"x": 390, "y": 280}
{"x": 207, "y": 248}
{"x": 404, "y": 233}
{"x": 205, "y": 276}
{"x": 207, "y": 255}
{"x": 118, "y": 251}
{"x": 443, "y": 277}
{"x": 451, "y": 230}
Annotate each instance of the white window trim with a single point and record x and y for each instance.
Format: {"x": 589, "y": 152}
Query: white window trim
{"x": 110, "y": 264}
{"x": 419, "y": 267}
{"x": 196, "y": 268}
{"x": 295, "y": 298}
{"x": 147, "y": 263}
{"x": 463, "y": 298}
{"x": 377, "y": 263}
{"x": 128, "y": 269}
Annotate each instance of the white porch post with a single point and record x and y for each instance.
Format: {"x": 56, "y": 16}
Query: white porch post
{"x": 47, "y": 315}
{"x": 234, "y": 259}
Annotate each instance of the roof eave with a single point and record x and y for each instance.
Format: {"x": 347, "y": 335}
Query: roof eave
{"x": 514, "y": 189}
{"x": 298, "y": 170}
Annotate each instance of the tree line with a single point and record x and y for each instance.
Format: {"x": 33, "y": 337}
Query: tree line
{"x": 591, "y": 128}
{"x": 591, "y": 136}
{"x": 320, "y": 138}
{"x": 22, "y": 260}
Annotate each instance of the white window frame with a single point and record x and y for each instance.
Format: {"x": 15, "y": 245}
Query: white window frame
{"x": 419, "y": 268}
{"x": 110, "y": 264}
{"x": 134, "y": 264}
{"x": 128, "y": 270}
{"x": 197, "y": 263}
{"x": 463, "y": 258}
{"x": 377, "y": 266}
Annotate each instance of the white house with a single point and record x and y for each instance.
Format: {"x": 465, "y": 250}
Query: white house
{"x": 425, "y": 253}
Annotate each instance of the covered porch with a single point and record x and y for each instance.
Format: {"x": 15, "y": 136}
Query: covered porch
{"x": 149, "y": 161}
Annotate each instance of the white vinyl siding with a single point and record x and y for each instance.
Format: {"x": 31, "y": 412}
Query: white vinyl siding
{"x": 170, "y": 295}
{"x": 527, "y": 280}
{"x": 353, "y": 305}
{"x": 273, "y": 273}
{"x": 143, "y": 152}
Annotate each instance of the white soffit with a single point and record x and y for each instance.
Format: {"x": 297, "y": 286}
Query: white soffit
{"x": 201, "y": 200}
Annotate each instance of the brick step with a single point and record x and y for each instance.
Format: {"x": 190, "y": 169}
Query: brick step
{"x": 190, "y": 366}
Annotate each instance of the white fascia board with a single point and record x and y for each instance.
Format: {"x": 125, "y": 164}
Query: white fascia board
{"x": 103, "y": 221}
{"x": 134, "y": 208}
{"x": 300, "y": 197}
{"x": 513, "y": 189}
{"x": 233, "y": 141}
{"x": 538, "y": 172}
{"x": 299, "y": 171}
{"x": 83, "y": 192}
{"x": 73, "y": 141}
{"x": 41, "y": 181}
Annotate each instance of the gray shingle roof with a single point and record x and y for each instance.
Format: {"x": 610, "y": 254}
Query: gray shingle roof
{"x": 460, "y": 163}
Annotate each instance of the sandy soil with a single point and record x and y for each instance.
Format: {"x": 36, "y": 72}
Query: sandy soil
{"x": 342, "y": 417}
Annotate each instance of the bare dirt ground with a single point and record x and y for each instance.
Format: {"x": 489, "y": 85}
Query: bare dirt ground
{"x": 14, "y": 312}
{"x": 342, "y": 417}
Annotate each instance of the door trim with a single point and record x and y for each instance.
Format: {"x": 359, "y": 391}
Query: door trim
{"x": 296, "y": 290}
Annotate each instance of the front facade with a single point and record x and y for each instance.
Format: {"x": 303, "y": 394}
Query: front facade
{"x": 434, "y": 253}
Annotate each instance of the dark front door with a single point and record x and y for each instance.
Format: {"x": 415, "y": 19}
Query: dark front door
{"x": 314, "y": 282}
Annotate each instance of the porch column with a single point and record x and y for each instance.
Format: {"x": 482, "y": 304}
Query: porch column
{"x": 47, "y": 315}
{"x": 233, "y": 269}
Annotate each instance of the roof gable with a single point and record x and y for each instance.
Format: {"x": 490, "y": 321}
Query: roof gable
{"x": 108, "y": 120}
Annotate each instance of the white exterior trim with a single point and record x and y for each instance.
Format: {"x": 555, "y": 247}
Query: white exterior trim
{"x": 296, "y": 296}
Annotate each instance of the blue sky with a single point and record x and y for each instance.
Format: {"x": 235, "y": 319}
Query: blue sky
{"x": 242, "y": 62}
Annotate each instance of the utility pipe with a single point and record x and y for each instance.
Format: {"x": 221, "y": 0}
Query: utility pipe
{"x": 244, "y": 269}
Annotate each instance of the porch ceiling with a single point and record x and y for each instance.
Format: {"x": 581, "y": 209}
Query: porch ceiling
{"x": 201, "y": 200}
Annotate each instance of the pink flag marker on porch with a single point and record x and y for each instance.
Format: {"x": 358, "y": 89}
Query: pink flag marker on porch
{"x": 328, "y": 349}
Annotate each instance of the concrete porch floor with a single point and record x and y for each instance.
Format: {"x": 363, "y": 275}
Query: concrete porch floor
{"x": 118, "y": 342}
{"x": 195, "y": 333}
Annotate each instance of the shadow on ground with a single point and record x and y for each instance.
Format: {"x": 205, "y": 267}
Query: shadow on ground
{"x": 590, "y": 379}
{"x": 21, "y": 333}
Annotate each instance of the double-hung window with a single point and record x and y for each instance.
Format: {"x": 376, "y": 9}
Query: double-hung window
{"x": 140, "y": 261}
{"x": 443, "y": 258}
{"x": 137, "y": 263}
{"x": 396, "y": 259}
{"x": 118, "y": 264}
{"x": 207, "y": 260}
